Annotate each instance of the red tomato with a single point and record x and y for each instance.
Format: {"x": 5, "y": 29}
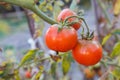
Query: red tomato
{"x": 67, "y": 13}
{"x": 28, "y": 74}
{"x": 87, "y": 52}
{"x": 63, "y": 40}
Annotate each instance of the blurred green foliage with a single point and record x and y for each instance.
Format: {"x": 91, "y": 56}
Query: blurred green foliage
{"x": 4, "y": 28}
{"x": 10, "y": 25}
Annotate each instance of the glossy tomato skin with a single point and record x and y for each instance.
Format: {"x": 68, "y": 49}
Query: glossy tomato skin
{"x": 63, "y": 40}
{"x": 67, "y": 13}
{"x": 87, "y": 52}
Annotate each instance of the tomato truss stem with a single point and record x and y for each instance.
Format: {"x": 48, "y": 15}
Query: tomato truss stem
{"x": 78, "y": 18}
{"x": 89, "y": 35}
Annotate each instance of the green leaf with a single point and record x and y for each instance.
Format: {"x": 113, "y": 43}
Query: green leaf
{"x": 67, "y": 1}
{"x": 73, "y": 5}
{"x": 116, "y": 31}
{"x": 116, "y": 73}
{"x": 110, "y": 77}
{"x": 66, "y": 64}
{"x": 116, "y": 50}
{"x": 28, "y": 57}
{"x": 53, "y": 69}
{"x": 106, "y": 38}
{"x": 17, "y": 77}
{"x": 49, "y": 7}
{"x": 38, "y": 75}
{"x": 60, "y": 3}
{"x": 116, "y": 7}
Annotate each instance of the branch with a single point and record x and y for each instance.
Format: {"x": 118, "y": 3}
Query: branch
{"x": 31, "y": 24}
{"x": 30, "y": 4}
{"x": 22, "y": 3}
{"x": 103, "y": 8}
{"x": 36, "y": 10}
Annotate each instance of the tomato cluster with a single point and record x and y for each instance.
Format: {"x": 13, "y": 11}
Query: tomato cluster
{"x": 63, "y": 37}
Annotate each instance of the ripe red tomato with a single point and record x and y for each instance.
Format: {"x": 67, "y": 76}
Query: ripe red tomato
{"x": 87, "y": 52}
{"x": 28, "y": 74}
{"x": 67, "y": 13}
{"x": 63, "y": 40}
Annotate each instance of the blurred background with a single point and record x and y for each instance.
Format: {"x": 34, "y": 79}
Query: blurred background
{"x": 19, "y": 27}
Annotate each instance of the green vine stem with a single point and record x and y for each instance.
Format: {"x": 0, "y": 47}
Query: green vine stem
{"x": 110, "y": 63}
{"x": 30, "y": 4}
{"x": 42, "y": 15}
{"x": 88, "y": 31}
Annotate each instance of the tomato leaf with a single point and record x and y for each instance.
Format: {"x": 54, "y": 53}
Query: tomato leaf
{"x": 49, "y": 6}
{"x": 67, "y": 1}
{"x": 116, "y": 50}
{"x": 35, "y": 17}
{"x": 66, "y": 64}
{"x": 73, "y": 5}
{"x": 110, "y": 77}
{"x": 60, "y": 3}
{"x": 17, "y": 77}
{"x": 116, "y": 9}
{"x": 116, "y": 31}
{"x": 116, "y": 73}
{"x": 28, "y": 57}
{"x": 53, "y": 69}
{"x": 106, "y": 38}
{"x": 38, "y": 75}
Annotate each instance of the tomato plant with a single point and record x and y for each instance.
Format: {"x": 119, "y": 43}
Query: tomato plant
{"x": 87, "y": 52}
{"x": 65, "y": 13}
{"x": 61, "y": 40}
{"x": 62, "y": 37}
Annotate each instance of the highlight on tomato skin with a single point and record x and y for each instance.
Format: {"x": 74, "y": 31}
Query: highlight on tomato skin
{"x": 87, "y": 52}
{"x": 60, "y": 40}
{"x": 67, "y": 13}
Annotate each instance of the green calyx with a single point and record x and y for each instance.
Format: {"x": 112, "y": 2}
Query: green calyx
{"x": 88, "y": 36}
